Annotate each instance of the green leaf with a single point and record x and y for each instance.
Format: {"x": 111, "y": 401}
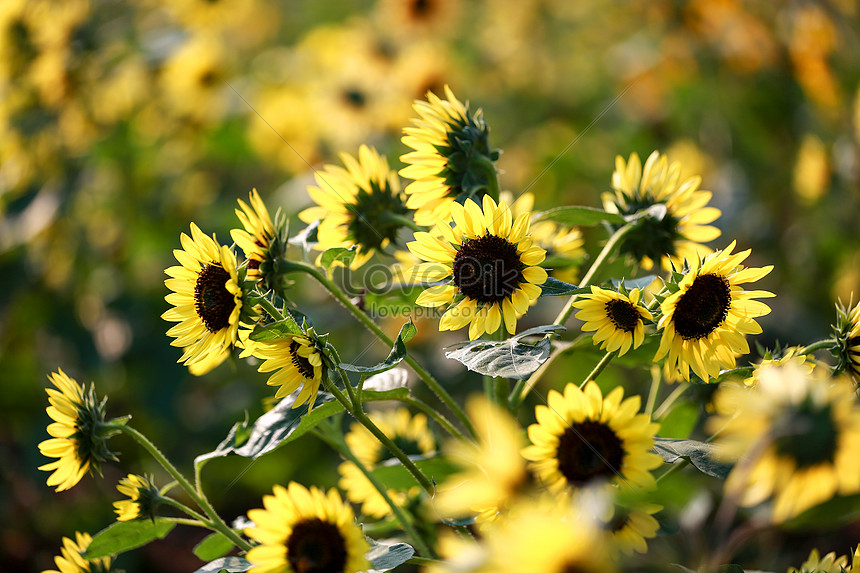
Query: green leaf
{"x": 394, "y": 476}
{"x": 398, "y": 353}
{"x": 641, "y": 283}
{"x": 741, "y": 373}
{"x": 388, "y": 380}
{"x": 384, "y": 557}
{"x": 276, "y": 330}
{"x": 212, "y": 547}
{"x": 555, "y": 287}
{"x": 229, "y": 564}
{"x": 283, "y": 424}
{"x": 680, "y": 421}
{"x": 576, "y": 215}
{"x": 335, "y": 255}
{"x": 506, "y": 358}
{"x": 126, "y": 535}
{"x": 700, "y": 455}
{"x": 395, "y": 302}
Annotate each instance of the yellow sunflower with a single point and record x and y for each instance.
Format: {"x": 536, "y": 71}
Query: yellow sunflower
{"x": 492, "y": 470}
{"x": 256, "y": 238}
{"x": 830, "y": 563}
{"x": 847, "y": 331}
{"x": 489, "y": 264}
{"x": 451, "y": 157}
{"x": 295, "y": 361}
{"x": 631, "y": 527}
{"x": 786, "y": 356}
{"x": 360, "y": 205}
{"x": 796, "y": 435}
{"x": 705, "y": 320}
{"x": 206, "y": 299}
{"x": 582, "y": 438}
{"x": 193, "y": 79}
{"x": 70, "y": 559}
{"x": 409, "y": 432}
{"x": 305, "y": 530}
{"x": 77, "y": 440}
{"x": 617, "y": 318}
{"x": 671, "y": 237}
{"x": 142, "y": 498}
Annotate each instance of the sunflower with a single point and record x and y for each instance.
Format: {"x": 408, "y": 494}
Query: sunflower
{"x": 79, "y": 440}
{"x": 71, "y": 558}
{"x": 778, "y": 359}
{"x": 142, "y": 495}
{"x": 669, "y": 237}
{"x": 617, "y": 318}
{"x": 257, "y": 237}
{"x": 295, "y": 361}
{"x": 360, "y": 205}
{"x": 847, "y": 334}
{"x": 830, "y": 563}
{"x": 409, "y": 432}
{"x": 488, "y": 263}
{"x": 705, "y": 320}
{"x": 206, "y": 299}
{"x": 194, "y": 79}
{"x": 581, "y": 438}
{"x": 797, "y": 435}
{"x": 451, "y": 157}
{"x": 630, "y": 527}
{"x": 305, "y": 531}
{"x": 492, "y": 471}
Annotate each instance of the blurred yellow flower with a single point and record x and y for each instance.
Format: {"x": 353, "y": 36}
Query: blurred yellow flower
{"x": 70, "y": 559}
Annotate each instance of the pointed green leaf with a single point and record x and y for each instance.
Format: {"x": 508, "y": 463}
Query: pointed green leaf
{"x": 126, "y": 535}
{"x": 398, "y": 353}
{"x": 555, "y": 287}
{"x": 576, "y": 215}
{"x": 506, "y": 358}
{"x": 384, "y": 557}
{"x": 700, "y": 455}
{"x": 276, "y": 330}
{"x": 339, "y": 255}
{"x": 229, "y": 564}
{"x": 212, "y": 547}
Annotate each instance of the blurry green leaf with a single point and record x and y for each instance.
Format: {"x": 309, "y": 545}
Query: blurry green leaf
{"x": 393, "y": 475}
{"x": 555, "y": 287}
{"x": 831, "y": 514}
{"x": 340, "y": 255}
{"x": 700, "y": 455}
{"x": 384, "y": 557}
{"x": 125, "y": 535}
{"x": 230, "y": 564}
{"x": 212, "y": 547}
{"x": 506, "y": 358}
{"x": 398, "y": 353}
{"x": 680, "y": 421}
{"x": 576, "y": 215}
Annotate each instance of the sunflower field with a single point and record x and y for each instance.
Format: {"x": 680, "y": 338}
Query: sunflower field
{"x": 500, "y": 286}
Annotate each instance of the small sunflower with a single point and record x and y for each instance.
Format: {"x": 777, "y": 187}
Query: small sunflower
{"x": 489, "y": 264}
{"x": 678, "y": 233}
{"x": 492, "y": 471}
{"x": 142, "y": 495}
{"x": 847, "y": 331}
{"x": 360, "y": 205}
{"x": 631, "y": 527}
{"x": 705, "y": 320}
{"x": 305, "y": 531}
{"x": 409, "y": 432}
{"x": 71, "y": 558}
{"x": 257, "y": 237}
{"x": 450, "y": 160}
{"x": 295, "y": 361}
{"x": 206, "y": 299}
{"x": 618, "y": 319}
{"x": 830, "y": 563}
{"x": 797, "y": 435}
{"x": 581, "y": 438}
{"x": 79, "y": 441}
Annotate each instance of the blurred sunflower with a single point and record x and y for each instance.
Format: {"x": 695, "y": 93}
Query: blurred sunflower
{"x": 193, "y": 79}
{"x": 306, "y": 531}
{"x": 360, "y": 205}
{"x": 631, "y": 527}
{"x": 798, "y": 434}
{"x": 257, "y": 237}
{"x": 407, "y": 431}
{"x": 295, "y": 361}
{"x": 708, "y": 314}
{"x": 206, "y": 299}
{"x": 582, "y": 438}
{"x": 78, "y": 438}
{"x": 672, "y": 234}
{"x": 778, "y": 359}
{"x": 409, "y": 19}
{"x": 143, "y": 497}
{"x": 489, "y": 264}
{"x": 71, "y": 558}
{"x": 617, "y": 318}
{"x": 830, "y": 563}
{"x": 451, "y": 158}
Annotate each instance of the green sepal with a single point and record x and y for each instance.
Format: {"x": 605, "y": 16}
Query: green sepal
{"x": 126, "y": 535}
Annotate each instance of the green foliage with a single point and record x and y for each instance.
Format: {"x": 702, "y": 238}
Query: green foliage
{"x": 394, "y": 475}
{"x": 509, "y": 358}
{"x": 123, "y": 536}
{"x": 385, "y": 557}
{"x": 575, "y": 215}
{"x": 212, "y": 547}
{"x": 555, "y": 287}
{"x": 229, "y": 564}
{"x": 337, "y": 255}
{"x": 398, "y": 353}
{"x": 699, "y": 454}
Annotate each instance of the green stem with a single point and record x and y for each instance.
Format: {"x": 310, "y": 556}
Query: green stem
{"x": 670, "y": 399}
{"x": 656, "y": 378}
{"x": 363, "y": 419}
{"x": 488, "y": 167}
{"x": 423, "y": 374}
{"x": 398, "y": 512}
{"x": 607, "y": 358}
{"x": 185, "y": 509}
{"x": 815, "y": 346}
{"x": 184, "y": 521}
{"x": 215, "y": 519}
{"x": 439, "y": 418}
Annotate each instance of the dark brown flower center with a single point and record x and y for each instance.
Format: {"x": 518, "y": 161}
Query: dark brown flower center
{"x": 807, "y": 433}
{"x": 316, "y": 546}
{"x": 589, "y": 450}
{"x": 488, "y": 269}
{"x": 302, "y": 364}
{"x": 354, "y": 98}
{"x": 622, "y": 314}
{"x": 212, "y": 301}
{"x": 703, "y": 308}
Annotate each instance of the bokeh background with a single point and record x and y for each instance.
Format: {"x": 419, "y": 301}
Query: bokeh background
{"x": 123, "y": 121}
